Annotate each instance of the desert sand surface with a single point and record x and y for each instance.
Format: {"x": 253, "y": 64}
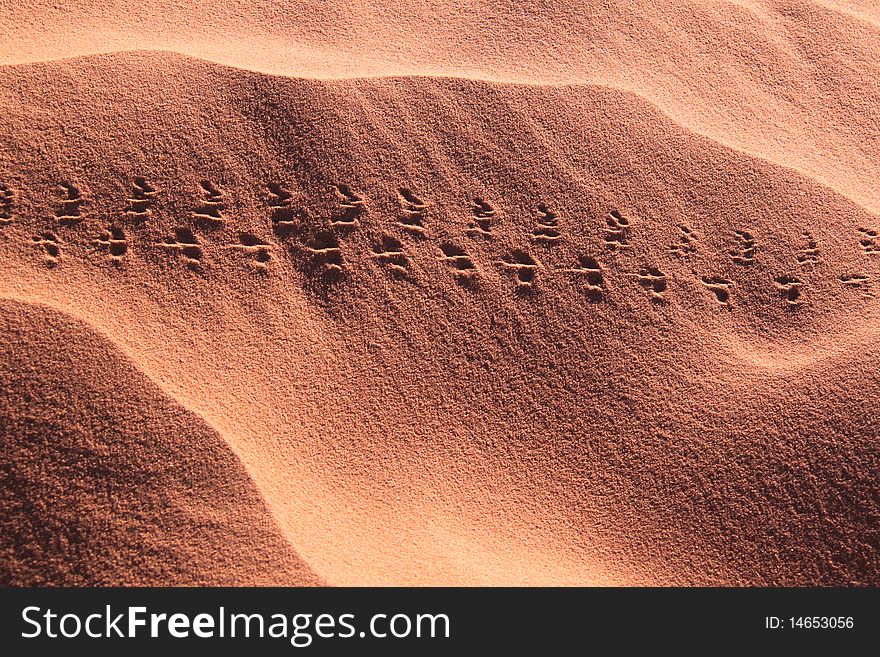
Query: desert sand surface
{"x": 428, "y": 293}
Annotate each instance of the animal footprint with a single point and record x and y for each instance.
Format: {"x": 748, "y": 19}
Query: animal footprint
{"x": 389, "y": 253}
{"x": 258, "y": 248}
{"x": 687, "y": 242}
{"x": 51, "y": 246}
{"x": 546, "y": 228}
{"x": 141, "y": 202}
{"x": 868, "y": 241}
{"x": 524, "y": 267}
{"x": 114, "y": 242}
{"x": 353, "y": 206}
{"x": 461, "y": 262}
{"x": 617, "y": 230}
{"x": 481, "y": 225}
{"x": 7, "y": 205}
{"x": 855, "y": 280}
{"x": 590, "y": 271}
{"x": 284, "y": 217}
{"x": 858, "y": 281}
{"x": 720, "y": 287}
{"x": 186, "y": 243}
{"x": 790, "y": 289}
{"x": 70, "y": 212}
{"x": 326, "y": 255}
{"x": 210, "y": 211}
{"x": 743, "y": 252}
{"x": 413, "y": 211}
{"x": 808, "y": 256}
{"x": 653, "y": 280}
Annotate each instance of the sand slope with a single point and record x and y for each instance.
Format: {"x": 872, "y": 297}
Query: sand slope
{"x": 476, "y": 331}
{"x": 106, "y": 481}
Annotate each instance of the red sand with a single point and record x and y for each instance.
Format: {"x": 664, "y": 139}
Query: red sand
{"x": 516, "y": 293}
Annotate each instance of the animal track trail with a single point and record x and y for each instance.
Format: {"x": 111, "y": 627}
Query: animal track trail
{"x": 140, "y": 204}
{"x": 687, "y": 242}
{"x": 7, "y": 205}
{"x": 389, "y": 254}
{"x": 413, "y": 212}
{"x": 653, "y": 280}
{"x": 186, "y": 244}
{"x": 868, "y": 239}
{"x": 790, "y": 289}
{"x": 50, "y": 244}
{"x": 524, "y": 268}
{"x": 616, "y": 234}
{"x": 483, "y": 215}
{"x": 114, "y": 243}
{"x": 546, "y": 230}
{"x": 326, "y": 255}
{"x": 70, "y": 209}
{"x": 210, "y": 210}
{"x": 353, "y": 207}
{"x": 808, "y": 256}
{"x": 461, "y": 263}
{"x": 259, "y": 249}
{"x": 590, "y": 272}
{"x": 745, "y": 245}
{"x": 719, "y": 287}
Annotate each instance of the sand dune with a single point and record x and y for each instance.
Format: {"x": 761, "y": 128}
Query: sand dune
{"x": 791, "y": 81}
{"x": 569, "y": 296}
